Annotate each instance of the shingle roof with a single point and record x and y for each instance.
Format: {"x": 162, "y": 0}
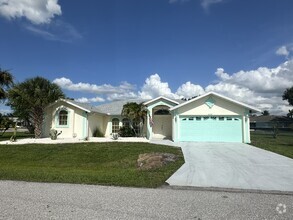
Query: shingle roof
{"x": 111, "y": 108}
{"x": 115, "y": 108}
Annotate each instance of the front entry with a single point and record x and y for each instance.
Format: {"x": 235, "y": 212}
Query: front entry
{"x": 162, "y": 127}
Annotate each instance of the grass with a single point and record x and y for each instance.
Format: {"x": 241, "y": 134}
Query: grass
{"x": 283, "y": 144}
{"x": 87, "y": 163}
{"x": 19, "y": 135}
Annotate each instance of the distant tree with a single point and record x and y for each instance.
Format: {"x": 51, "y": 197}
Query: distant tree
{"x": 290, "y": 114}
{"x": 6, "y": 81}
{"x": 29, "y": 99}
{"x": 5, "y": 124}
{"x": 265, "y": 113}
{"x": 136, "y": 113}
{"x": 288, "y": 95}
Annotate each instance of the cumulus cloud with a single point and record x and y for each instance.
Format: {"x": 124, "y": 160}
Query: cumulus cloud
{"x": 67, "y": 84}
{"x": 189, "y": 90}
{"x": 262, "y": 88}
{"x": 37, "y": 12}
{"x": 154, "y": 87}
{"x": 282, "y": 51}
{"x": 89, "y": 100}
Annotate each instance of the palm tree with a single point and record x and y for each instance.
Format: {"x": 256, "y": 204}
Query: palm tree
{"x": 136, "y": 113}
{"x": 30, "y": 98}
{"x": 6, "y": 80}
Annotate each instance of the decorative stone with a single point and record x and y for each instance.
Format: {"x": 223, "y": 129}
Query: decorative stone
{"x": 54, "y": 134}
{"x": 149, "y": 161}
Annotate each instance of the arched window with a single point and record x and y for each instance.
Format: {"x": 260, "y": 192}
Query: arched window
{"x": 162, "y": 112}
{"x": 115, "y": 125}
{"x": 125, "y": 122}
{"x": 63, "y": 117}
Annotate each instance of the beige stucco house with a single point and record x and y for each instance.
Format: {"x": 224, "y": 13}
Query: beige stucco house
{"x": 208, "y": 118}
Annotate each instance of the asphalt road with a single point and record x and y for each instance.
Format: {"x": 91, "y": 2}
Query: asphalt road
{"x": 22, "y": 200}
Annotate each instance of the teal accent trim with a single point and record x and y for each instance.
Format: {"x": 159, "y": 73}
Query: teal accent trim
{"x": 57, "y": 119}
{"x": 210, "y": 102}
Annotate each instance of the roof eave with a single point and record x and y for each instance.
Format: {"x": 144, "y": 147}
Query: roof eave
{"x": 221, "y": 96}
{"x": 160, "y": 97}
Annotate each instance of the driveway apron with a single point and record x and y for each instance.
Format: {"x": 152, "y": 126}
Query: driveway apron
{"x": 233, "y": 165}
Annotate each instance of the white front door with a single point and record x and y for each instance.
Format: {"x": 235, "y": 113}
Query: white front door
{"x": 162, "y": 127}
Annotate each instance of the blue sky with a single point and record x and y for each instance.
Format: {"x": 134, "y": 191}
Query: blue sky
{"x": 104, "y": 50}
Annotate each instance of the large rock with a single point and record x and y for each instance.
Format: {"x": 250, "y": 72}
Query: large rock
{"x": 150, "y": 161}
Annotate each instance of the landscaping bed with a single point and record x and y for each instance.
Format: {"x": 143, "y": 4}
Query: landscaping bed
{"x": 112, "y": 163}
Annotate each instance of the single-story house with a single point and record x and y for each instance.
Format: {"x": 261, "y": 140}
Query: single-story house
{"x": 207, "y": 118}
{"x": 267, "y": 122}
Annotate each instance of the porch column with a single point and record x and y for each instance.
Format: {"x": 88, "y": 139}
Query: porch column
{"x": 149, "y": 127}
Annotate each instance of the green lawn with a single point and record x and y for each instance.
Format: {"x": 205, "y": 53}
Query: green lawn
{"x": 283, "y": 144}
{"x": 88, "y": 163}
{"x": 19, "y": 135}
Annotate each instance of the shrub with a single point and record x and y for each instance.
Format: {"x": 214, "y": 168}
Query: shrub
{"x": 97, "y": 133}
{"x": 126, "y": 132}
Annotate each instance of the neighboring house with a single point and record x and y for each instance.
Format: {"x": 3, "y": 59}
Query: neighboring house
{"x": 208, "y": 118}
{"x": 267, "y": 122}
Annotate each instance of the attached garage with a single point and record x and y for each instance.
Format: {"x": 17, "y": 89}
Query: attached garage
{"x": 211, "y": 118}
{"x": 210, "y": 129}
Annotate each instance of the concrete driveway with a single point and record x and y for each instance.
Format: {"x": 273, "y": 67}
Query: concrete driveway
{"x": 233, "y": 165}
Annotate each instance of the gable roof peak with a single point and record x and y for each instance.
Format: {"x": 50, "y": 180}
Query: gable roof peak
{"x": 161, "y": 97}
{"x": 217, "y": 95}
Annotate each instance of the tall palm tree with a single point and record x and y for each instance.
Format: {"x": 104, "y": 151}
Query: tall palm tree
{"x": 6, "y": 80}
{"x": 31, "y": 97}
{"x": 136, "y": 113}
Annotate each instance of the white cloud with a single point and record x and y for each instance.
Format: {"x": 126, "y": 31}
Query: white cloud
{"x": 36, "y": 11}
{"x": 263, "y": 79}
{"x": 262, "y": 88}
{"x": 154, "y": 87}
{"x": 207, "y": 3}
{"x": 89, "y": 100}
{"x": 189, "y": 90}
{"x": 67, "y": 84}
{"x": 122, "y": 96}
{"x": 57, "y": 31}
{"x": 282, "y": 51}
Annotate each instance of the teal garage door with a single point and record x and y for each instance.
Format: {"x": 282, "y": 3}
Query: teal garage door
{"x": 210, "y": 129}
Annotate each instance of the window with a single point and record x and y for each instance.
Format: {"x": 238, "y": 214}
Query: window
{"x": 205, "y": 118}
{"x": 63, "y": 118}
{"x": 115, "y": 125}
{"x": 198, "y": 118}
{"x": 221, "y": 118}
{"x": 236, "y": 119}
{"x": 162, "y": 112}
{"x": 214, "y": 118}
{"x": 229, "y": 119}
{"x": 125, "y": 122}
{"x": 190, "y": 119}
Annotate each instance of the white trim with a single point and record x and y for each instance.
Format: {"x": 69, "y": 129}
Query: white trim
{"x": 218, "y": 95}
{"x": 70, "y": 103}
{"x": 160, "y": 97}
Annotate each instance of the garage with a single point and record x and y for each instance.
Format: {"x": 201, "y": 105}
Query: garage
{"x": 211, "y": 118}
{"x": 210, "y": 128}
